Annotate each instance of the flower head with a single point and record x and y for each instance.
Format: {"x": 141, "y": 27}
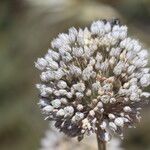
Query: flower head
{"x": 93, "y": 80}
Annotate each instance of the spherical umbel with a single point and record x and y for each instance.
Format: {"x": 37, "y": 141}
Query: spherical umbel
{"x": 92, "y": 80}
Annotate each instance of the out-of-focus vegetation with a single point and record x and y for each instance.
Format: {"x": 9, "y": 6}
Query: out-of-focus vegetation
{"x": 26, "y": 29}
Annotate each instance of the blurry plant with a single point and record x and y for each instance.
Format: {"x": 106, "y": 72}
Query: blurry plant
{"x": 56, "y": 141}
{"x": 93, "y": 80}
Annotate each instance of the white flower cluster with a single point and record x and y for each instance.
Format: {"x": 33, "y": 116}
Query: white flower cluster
{"x": 56, "y": 141}
{"x": 94, "y": 78}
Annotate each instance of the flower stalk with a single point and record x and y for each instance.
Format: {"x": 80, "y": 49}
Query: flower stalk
{"x": 101, "y": 144}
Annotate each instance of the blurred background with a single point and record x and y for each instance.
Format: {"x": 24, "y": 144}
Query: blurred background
{"x": 26, "y": 29}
